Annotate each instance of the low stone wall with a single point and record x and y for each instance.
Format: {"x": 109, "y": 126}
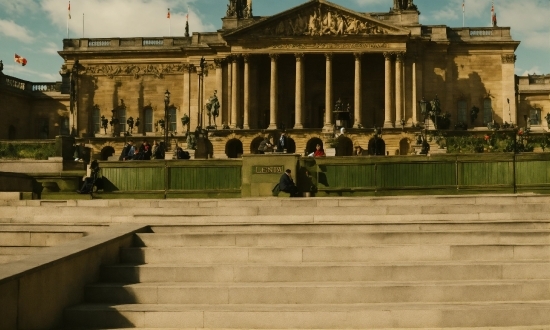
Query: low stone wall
{"x": 34, "y": 292}
{"x": 51, "y": 165}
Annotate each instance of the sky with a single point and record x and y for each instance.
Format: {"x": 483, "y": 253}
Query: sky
{"x": 35, "y": 29}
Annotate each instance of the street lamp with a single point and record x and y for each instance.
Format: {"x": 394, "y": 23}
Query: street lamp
{"x": 166, "y": 104}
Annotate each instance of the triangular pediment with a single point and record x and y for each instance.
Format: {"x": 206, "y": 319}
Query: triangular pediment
{"x": 316, "y": 18}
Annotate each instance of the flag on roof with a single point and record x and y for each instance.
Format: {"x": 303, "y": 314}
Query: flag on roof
{"x": 69, "y": 10}
{"x": 168, "y": 16}
{"x": 493, "y": 16}
{"x": 20, "y": 60}
{"x": 462, "y": 5}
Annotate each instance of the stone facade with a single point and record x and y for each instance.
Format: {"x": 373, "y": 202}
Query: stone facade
{"x": 289, "y": 71}
{"x": 534, "y": 101}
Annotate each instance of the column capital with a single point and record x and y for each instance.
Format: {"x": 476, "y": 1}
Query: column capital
{"x": 234, "y": 57}
{"x": 388, "y": 56}
{"x": 246, "y": 58}
{"x": 273, "y": 57}
{"x": 192, "y": 68}
{"x": 509, "y": 58}
{"x": 358, "y": 56}
{"x": 400, "y": 56}
{"x": 218, "y": 62}
{"x": 328, "y": 56}
{"x": 299, "y": 57}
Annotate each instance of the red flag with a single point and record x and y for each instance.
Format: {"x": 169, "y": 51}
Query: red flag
{"x": 168, "y": 16}
{"x": 69, "y": 10}
{"x": 20, "y": 60}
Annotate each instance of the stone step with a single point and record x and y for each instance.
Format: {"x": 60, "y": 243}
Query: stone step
{"x": 5, "y": 259}
{"x": 339, "y": 316}
{"x": 353, "y": 238}
{"x": 15, "y": 250}
{"x": 317, "y": 293}
{"x": 327, "y": 272}
{"x": 491, "y": 226}
{"x": 36, "y": 238}
{"x": 536, "y": 327}
{"x": 375, "y": 253}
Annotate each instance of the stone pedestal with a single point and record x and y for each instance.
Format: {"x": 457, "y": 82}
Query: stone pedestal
{"x": 260, "y": 173}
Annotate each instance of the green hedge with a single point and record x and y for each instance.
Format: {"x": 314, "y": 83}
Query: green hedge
{"x": 27, "y": 150}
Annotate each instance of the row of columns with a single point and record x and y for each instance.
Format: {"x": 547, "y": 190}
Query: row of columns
{"x": 394, "y": 90}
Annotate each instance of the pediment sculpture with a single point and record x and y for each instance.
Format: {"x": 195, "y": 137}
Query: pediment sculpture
{"x": 322, "y": 21}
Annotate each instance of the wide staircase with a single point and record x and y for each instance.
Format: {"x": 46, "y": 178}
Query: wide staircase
{"x": 384, "y": 263}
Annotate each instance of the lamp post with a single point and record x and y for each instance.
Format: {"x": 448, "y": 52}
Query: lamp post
{"x": 166, "y": 104}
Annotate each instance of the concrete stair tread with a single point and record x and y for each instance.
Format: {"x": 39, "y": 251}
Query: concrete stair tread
{"x": 541, "y": 327}
{"x": 318, "y": 284}
{"x": 338, "y": 264}
{"x": 513, "y": 305}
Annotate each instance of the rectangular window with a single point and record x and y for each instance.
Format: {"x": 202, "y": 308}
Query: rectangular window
{"x": 487, "y": 111}
{"x": 534, "y": 117}
{"x": 172, "y": 119}
{"x": 122, "y": 119}
{"x": 97, "y": 120}
{"x": 148, "y": 119}
{"x": 462, "y": 111}
{"x": 64, "y": 130}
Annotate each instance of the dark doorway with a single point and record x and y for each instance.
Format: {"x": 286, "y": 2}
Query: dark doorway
{"x": 234, "y": 148}
{"x": 377, "y": 147}
{"x": 344, "y": 147}
{"x": 404, "y": 146}
{"x": 12, "y": 133}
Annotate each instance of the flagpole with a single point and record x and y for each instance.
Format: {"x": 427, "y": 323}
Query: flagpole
{"x": 463, "y": 14}
{"x": 82, "y": 25}
{"x": 68, "y": 18}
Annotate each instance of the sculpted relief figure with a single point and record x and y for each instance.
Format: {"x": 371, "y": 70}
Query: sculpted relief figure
{"x": 320, "y": 23}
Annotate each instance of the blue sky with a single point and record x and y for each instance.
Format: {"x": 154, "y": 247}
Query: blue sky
{"x": 35, "y": 28}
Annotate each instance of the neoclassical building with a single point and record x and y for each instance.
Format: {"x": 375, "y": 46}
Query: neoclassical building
{"x": 308, "y": 70}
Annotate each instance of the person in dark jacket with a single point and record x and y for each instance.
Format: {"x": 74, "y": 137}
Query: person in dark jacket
{"x": 282, "y": 143}
{"x": 286, "y": 184}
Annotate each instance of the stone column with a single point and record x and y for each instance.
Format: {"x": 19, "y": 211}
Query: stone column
{"x": 328, "y": 93}
{"x": 273, "y": 95}
{"x": 399, "y": 88}
{"x": 358, "y": 97}
{"x": 246, "y": 115}
{"x": 299, "y": 90}
{"x": 218, "y": 62}
{"x": 414, "y": 101}
{"x": 388, "y": 104}
{"x": 234, "y": 91}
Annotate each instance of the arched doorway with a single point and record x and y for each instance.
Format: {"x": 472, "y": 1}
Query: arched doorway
{"x": 404, "y": 147}
{"x": 234, "y": 148}
{"x": 255, "y": 144}
{"x": 107, "y": 152}
{"x": 310, "y": 146}
{"x": 377, "y": 147}
{"x": 12, "y": 133}
{"x": 344, "y": 147}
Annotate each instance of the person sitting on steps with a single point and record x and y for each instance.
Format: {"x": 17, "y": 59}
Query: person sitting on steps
{"x": 286, "y": 184}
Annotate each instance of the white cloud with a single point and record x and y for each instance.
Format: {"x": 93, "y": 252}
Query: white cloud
{"x": 534, "y": 70}
{"x": 445, "y": 15}
{"x": 371, "y": 2}
{"x": 50, "y": 48}
{"x": 124, "y": 18}
{"x": 12, "y": 30}
{"x": 529, "y": 23}
{"x": 13, "y": 7}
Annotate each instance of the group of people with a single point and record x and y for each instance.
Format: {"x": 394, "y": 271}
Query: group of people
{"x": 144, "y": 152}
{"x": 267, "y": 146}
